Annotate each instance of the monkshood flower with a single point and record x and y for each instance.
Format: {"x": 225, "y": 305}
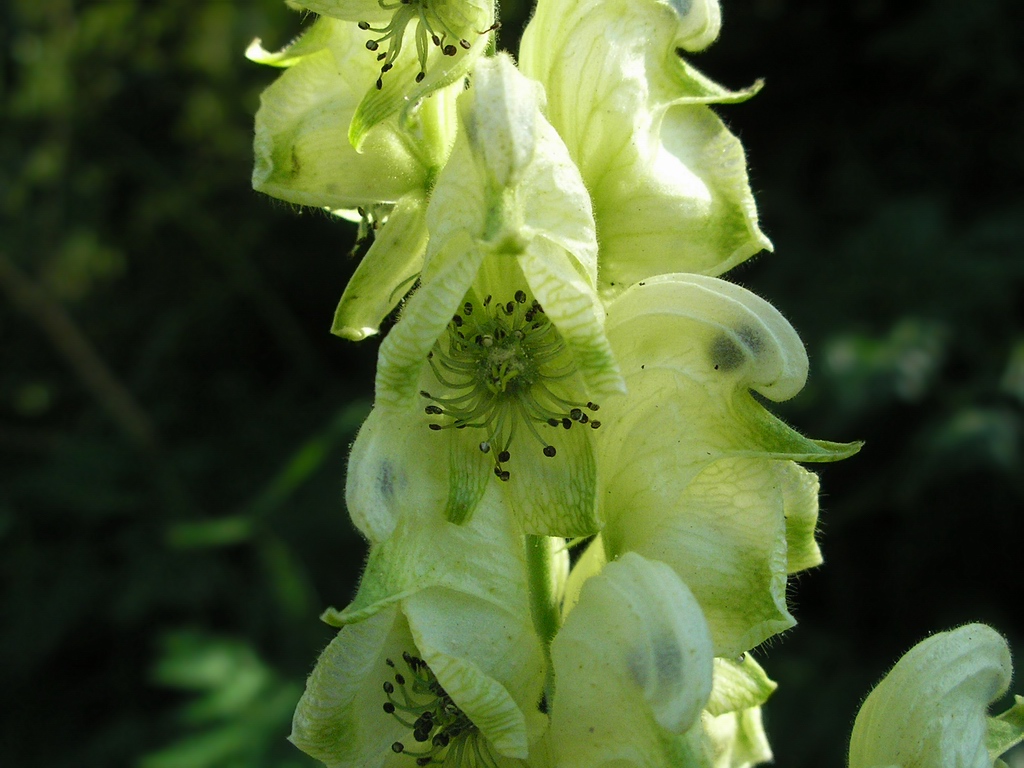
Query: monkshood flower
{"x": 668, "y": 180}
{"x": 930, "y": 711}
{"x": 493, "y": 371}
{"x": 694, "y": 470}
{"x": 407, "y": 50}
{"x": 303, "y": 155}
{"x": 437, "y": 660}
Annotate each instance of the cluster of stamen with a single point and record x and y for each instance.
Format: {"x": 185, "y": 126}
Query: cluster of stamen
{"x": 499, "y": 364}
{"x": 442, "y": 732}
{"x": 429, "y": 29}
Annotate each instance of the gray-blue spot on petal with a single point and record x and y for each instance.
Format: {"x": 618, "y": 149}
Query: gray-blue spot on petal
{"x": 386, "y": 481}
{"x": 668, "y": 660}
{"x": 682, "y": 7}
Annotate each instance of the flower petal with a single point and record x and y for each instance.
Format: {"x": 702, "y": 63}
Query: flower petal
{"x": 930, "y": 710}
{"x": 724, "y": 534}
{"x": 386, "y": 272}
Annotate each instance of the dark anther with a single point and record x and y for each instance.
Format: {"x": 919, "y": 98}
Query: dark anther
{"x": 593, "y": 406}
{"x": 363, "y": 25}
{"x": 467, "y": 308}
{"x": 436, "y": 39}
{"x": 595, "y": 424}
{"x": 449, "y": 50}
{"x": 487, "y": 301}
{"x": 497, "y": 471}
{"x": 407, "y": 657}
{"x": 528, "y": 316}
{"x": 386, "y": 68}
{"x": 382, "y": 56}
{"x": 549, "y": 451}
{"x": 424, "y": 760}
{"x": 421, "y": 735}
{"x": 441, "y": 740}
{"x": 371, "y": 45}
{"x": 389, "y": 688}
{"x": 510, "y": 308}
{"x": 575, "y": 414}
{"x": 504, "y": 476}
{"x": 420, "y": 76}
{"x": 433, "y": 410}
{"x": 479, "y": 340}
{"x": 435, "y": 427}
{"x": 424, "y": 393}
{"x": 485, "y": 447}
{"x": 457, "y": 321}
{"x": 583, "y": 419}
{"x": 553, "y": 422}
{"x": 380, "y": 84}
{"x": 389, "y": 707}
{"x": 390, "y": 663}
{"x": 521, "y": 297}
{"x": 464, "y": 44}
{"x": 399, "y": 679}
{"x": 504, "y": 456}
{"x": 398, "y": 747}
{"x": 565, "y": 422}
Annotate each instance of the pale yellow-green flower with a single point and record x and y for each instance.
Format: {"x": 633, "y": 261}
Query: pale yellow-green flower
{"x": 492, "y": 371}
{"x": 407, "y": 50}
{"x": 441, "y": 624}
{"x": 930, "y": 711}
{"x": 303, "y": 155}
{"x": 668, "y": 180}
{"x": 693, "y": 470}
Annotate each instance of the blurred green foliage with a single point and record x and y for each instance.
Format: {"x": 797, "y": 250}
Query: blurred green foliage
{"x": 174, "y": 416}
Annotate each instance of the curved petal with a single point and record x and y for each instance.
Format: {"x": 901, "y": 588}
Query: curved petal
{"x": 386, "y": 272}
{"x": 445, "y": 281}
{"x": 302, "y": 151}
{"x": 667, "y": 178}
{"x": 930, "y": 710}
{"x": 632, "y": 668}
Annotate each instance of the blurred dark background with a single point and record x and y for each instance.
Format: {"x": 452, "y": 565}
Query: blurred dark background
{"x": 175, "y": 417}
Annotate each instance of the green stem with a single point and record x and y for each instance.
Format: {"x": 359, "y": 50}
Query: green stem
{"x": 543, "y": 604}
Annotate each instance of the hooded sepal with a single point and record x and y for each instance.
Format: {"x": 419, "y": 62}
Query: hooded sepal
{"x": 697, "y": 473}
{"x": 633, "y": 669}
{"x": 930, "y": 710}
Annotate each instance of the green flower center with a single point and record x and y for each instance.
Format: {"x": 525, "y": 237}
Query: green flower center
{"x": 500, "y": 365}
{"x": 430, "y": 28}
{"x": 443, "y": 731}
